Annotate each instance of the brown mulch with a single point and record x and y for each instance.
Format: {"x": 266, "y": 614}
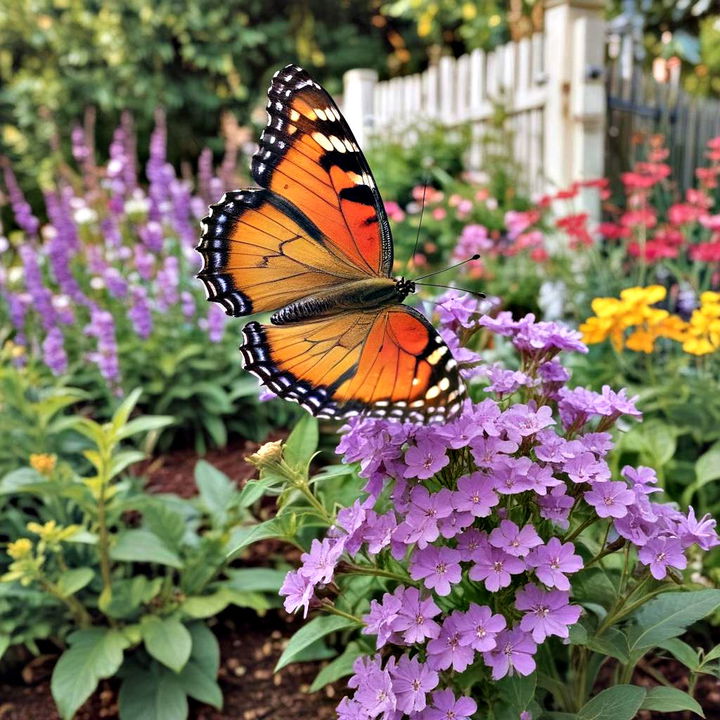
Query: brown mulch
{"x": 250, "y": 647}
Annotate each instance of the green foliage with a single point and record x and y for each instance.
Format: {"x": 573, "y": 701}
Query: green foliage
{"x": 121, "y": 577}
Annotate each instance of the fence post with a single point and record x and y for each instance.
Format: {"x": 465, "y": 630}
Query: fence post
{"x": 358, "y": 104}
{"x": 575, "y": 106}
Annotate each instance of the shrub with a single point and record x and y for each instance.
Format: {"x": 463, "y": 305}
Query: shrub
{"x": 494, "y": 564}
{"x": 120, "y": 578}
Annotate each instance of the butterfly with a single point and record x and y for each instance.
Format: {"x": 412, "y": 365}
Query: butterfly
{"x": 312, "y": 245}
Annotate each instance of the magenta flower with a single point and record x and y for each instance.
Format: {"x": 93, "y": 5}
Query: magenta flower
{"x": 486, "y": 451}
{"x": 446, "y": 707}
{"x": 447, "y": 650}
{"x": 514, "y": 652}
{"x": 586, "y": 468}
{"x": 414, "y": 618}
{"x": 298, "y": 592}
{"x": 411, "y": 681}
{"x": 660, "y": 553}
{"x": 375, "y": 692}
{"x": 318, "y": 565}
{"x": 495, "y": 568}
{"x": 702, "y": 531}
{"x": 438, "y": 567}
{"x": 610, "y": 499}
{"x": 556, "y": 505}
{"x": 524, "y": 420}
{"x": 552, "y": 561}
{"x": 380, "y": 620}
{"x": 514, "y": 540}
{"x": 475, "y": 494}
{"x": 547, "y": 612}
{"x": 421, "y": 522}
{"x": 478, "y": 627}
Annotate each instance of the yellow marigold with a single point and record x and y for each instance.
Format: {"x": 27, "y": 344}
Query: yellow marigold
{"x": 43, "y": 462}
{"x": 20, "y": 548}
{"x": 703, "y": 331}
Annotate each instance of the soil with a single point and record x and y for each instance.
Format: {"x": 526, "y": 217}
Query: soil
{"x": 250, "y": 645}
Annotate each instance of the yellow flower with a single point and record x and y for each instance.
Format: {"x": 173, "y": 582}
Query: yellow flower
{"x": 51, "y": 533}
{"x": 20, "y": 548}
{"x": 43, "y": 463}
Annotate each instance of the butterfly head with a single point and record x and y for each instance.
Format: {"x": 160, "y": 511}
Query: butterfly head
{"x": 403, "y": 288}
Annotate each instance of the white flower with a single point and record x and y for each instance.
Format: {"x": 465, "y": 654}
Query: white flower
{"x": 97, "y": 283}
{"x": 84, "y": 215}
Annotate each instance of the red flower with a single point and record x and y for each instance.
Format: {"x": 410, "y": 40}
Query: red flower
{"x": 643, "y": 216}
{"x": 612, "y": 231}
{"x": 706, "y": 252}
{"x": 653, "y": 250}
{"x": 682, "y": 213}
{"x": 539, "y": 254}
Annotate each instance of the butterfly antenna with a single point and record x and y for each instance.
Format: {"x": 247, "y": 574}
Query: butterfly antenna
{"x": 450, "y": 287}
{"x": 422, "y": 212}
{"x": 451, "y": 267}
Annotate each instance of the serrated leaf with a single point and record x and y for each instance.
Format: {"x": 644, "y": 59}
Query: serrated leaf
{"x": 317, "y": 628}
{"x": 669, "y": 699}
{"x": 167, "y": 640}
{"x": 620, "y": 702}
{"x": 94, "y": 654}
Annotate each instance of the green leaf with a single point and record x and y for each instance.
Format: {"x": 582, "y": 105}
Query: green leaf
{"x": 340, "y": 667}
{"x": 4, "y": 643}
{"x": 216, "y": 489}
{"x": 205, "y": 648}
{"x": 93, "y": 654}
{"x": 687, "y": 655}
{"x": 244, "y": 536}
{"x": 201, "y": 686}
{"x": 124, "y": 459}
{"x": 668, "y": 615}
{"x": 157, "y": 694}
{"x": 73, "y": 580}
{"x": 612, "y": 642}
{"x": 317, "y": 628}
{"x": 122, "y": 414}
{"x": 146, "y": 423}
{"x": 257, "y": 579}
{"x": 620, "y": 702}
{"x": 707, "y": 469}
{"x": 302, "y": 443}
{"x": 140, "y": 545}
{"x": 255, "y": 489}
{"x": 713, "y": 654}
{"x": 167, "y": 640}
{"x": 670, "y": 699}
{"x": 518, "y": 691}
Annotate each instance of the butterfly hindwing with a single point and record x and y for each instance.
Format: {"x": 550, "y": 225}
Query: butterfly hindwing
{"x": 389, "y": 363}
{"x": 260, "y": 253}
{"x": 309, "y": 155}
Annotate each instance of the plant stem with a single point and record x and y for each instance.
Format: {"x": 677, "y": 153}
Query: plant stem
{"x": 335, "y": 611}
{"x": 379, "y": 572}
{"x": 81, "y": 615}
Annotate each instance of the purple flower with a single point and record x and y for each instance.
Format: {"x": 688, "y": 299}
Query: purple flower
{"x": 505, "y": 382}
{"x": 485, "y": 451}
{"x": 437, "y": 567}
{"x": 513, "y": 475}
{"x": 380, "y": 620}
{"x": 521, "y": 421}
{"x": 552, "y": 561}
{"x": 478, "y": 627}
{"x": 610, "y": 499}
{"x": 447, "y": 650}
{"x": 556, "y": 505}
{"x": 700, "y": 531}
{"x": 446, "y": 707}
{"x": 318, "y": 565}
{"x": 54, "y": 351}
{"x": 547, "y": 612}
{"x": 514, "y": 651}
{"x": 514, "y": 540}
{"x": 425, "y": 459}
{"x": 379, "y": 530}
{"x": 660, "y": 553}
{"x": 475, "y": 494}
{"x": 585, "y": 468}
{"x": 414, "y": 619}
{"x": 411, "y": 681}
{"x": 495, "y": 567}
{"x": 457, "y": 309}
{"x": 21, "y": 207}
{"x": 102, "y": 327}
{"x": 374, "y": 690}
{"x": 421, "y": 523}
{"x": 298, "y": 591}
{"x": 139, "y": 312}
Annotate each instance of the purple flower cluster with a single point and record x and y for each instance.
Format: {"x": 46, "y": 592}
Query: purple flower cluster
{"x": 476, "y": 513}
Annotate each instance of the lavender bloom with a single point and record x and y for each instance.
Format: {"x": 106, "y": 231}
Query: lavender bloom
{"x": 446, "y": 707}
{"x": 514, "y": 540}
{"x": 318, "y": 565}
{"x": 556, "y": 506}
{"x": 54, "y": 351}
{"x": 421, "y": 523}
{"x": 139, "y": 312}
{"x": 411, "y": 681}
{"x": 552, "y": 561}
{"x": 375, "y": 691}
{"x": 214, "y": 323}
{"x": 298, "y": 591}
{"x": 102, "y": 327}
{"x": 660, "y": 553}
{"x": 414, "y": 619}
{"x": 475, "y": 494}
{"x": 514, "y": 652}
{"x": 546, "y": 612}
{"x": 495, "y": 567}
{"x": 438, "y": 567}
{"x": 167, "y": 281}
{"x": 425, "y": 459}
{"x": 610, "y": 499}
{"x": 457, "y": 309}
{"x": 381, "y": 618}
{"x": 21, "y": 208}
{"x": 447, "y": 650}
{"x": 187, "y": 303}
{"x": 701, "y": 532}
{"x": 41, "y": 296}
{"x": 479, "y": 627}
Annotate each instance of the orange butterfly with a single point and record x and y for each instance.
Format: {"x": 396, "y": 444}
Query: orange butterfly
{"x": 313, "y": 245}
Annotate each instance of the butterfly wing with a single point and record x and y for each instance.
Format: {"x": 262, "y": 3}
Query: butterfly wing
{"x": 260, "y": 253}
{"x": 309, "y": 155}
{"x": 388, "y": 363}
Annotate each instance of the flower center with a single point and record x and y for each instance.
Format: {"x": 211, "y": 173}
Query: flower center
{"x": 419, "y": 619}
{"x": 497, "y": 566}
{"x": 543, "y": 611}
{"x": 416, "y": 685}
{"x": 480, "y": 631}
{"x": 440, "y": 568}
{"x": 660, "y": 557}
{"x": 428, "y": 462}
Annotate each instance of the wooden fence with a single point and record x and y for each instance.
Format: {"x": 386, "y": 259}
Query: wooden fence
{"x": 574, "y": 109}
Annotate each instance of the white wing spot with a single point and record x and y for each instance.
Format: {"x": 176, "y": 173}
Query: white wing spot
{"x": 322, "y": 141}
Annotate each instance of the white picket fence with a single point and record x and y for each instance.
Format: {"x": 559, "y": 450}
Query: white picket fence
{"x": 550, "y": 85}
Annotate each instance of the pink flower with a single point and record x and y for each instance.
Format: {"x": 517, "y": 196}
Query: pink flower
{"x": 514, "y": 651}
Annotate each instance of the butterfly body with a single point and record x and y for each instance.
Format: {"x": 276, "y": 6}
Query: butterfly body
{"x": 358, "y": 295}
{"x": 312, "y": 247}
